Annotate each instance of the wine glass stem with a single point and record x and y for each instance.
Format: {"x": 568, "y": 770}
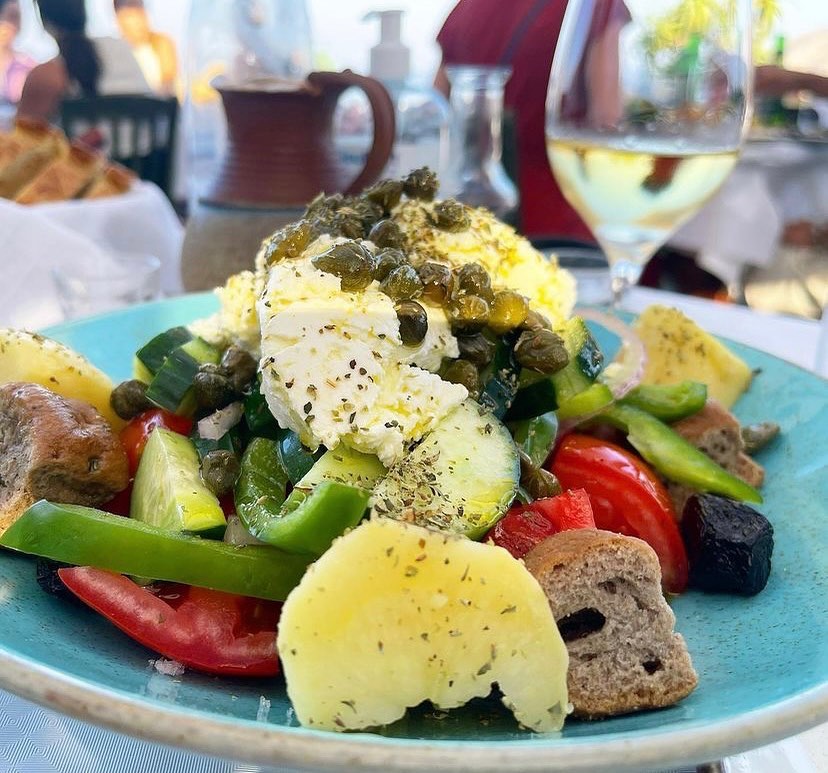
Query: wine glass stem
{"x": 625, "y": 271}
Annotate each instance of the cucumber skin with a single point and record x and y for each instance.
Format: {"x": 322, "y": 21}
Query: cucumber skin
{"x": 168, "y": 491}
{"x": 171, "y": 387}
{"x": 153, "y": 354}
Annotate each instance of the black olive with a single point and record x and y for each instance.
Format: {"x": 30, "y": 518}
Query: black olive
{"x": 213, "y": 389}
{"x": 386, "y": 261}
{"x": 288, "y": 242}
{"x": 473, "y": 279}
{"x": 468, "y": 313}
{"x": 541, "y": 350}
{"x": 351, "y": 262}
{"x": 450, "y": 215}
{"x": 402, "y": 284}
{"x": 438, "y": 282}
{"x": 386, "y": 233}
{"x": 239, "y": 366}
{"x": 476, "y": 349}
{"x": 129, "y": 398}
{"x": 385, "y": 193}
{"x": 509, "y": 310}
{"x": 421, "y": 184}
{"x": 413, "y": 322}
{"x": 219, "y": 471}
{"x": 463, "y": 372}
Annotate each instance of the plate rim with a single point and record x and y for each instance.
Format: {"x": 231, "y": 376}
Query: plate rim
{"x": 202, "y": 732}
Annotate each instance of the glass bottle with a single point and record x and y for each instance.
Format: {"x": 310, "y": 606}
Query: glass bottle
{"x": 476, "y": 175}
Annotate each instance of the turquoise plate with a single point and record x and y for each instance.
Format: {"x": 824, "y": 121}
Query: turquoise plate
{"x": 762, "y": 661}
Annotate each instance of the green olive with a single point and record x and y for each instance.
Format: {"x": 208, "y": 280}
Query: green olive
{"x": 541, "y": 350}
{"x": 385, "y": 193}
{"x": 421, "y": 184}
{"x": 402, "y": 284}
{"x": 220, "y": 470}
{"x": 387, "y": 260}
{"x": 473, "y": 279}
{"x": 476, "y": 349}
{"x": 509, "y": 310}
{"x": 288, "y": 242}
{"x": 437, "y": 280}
{"x": 386, "y": 233}
{"x": 129, "y": 399}
{"x": 450, "y": 215}
{"x": 351, "y": 262}
{"x": 463, "y": 372}
{"x": 239, "y": 366}
{"x": 468, "y": 313}
{"x": 413, "y": 322}
{"x": 213, "y": 389}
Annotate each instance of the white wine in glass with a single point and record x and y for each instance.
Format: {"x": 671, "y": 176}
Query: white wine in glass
{"x": 647, "y": 108}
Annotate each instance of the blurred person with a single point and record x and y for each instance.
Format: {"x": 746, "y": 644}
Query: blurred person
{"x": 154, "y": 51}
{"x": 83, "y": 67}
{"x": 14, "y": 65}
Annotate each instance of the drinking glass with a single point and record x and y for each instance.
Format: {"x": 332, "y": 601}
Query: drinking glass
{"x": 647, "y": 109}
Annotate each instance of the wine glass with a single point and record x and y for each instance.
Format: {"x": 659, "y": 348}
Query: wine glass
{"x": 647, "y": 108}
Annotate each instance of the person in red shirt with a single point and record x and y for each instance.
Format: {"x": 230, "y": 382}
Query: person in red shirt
{"x": 520, "y": 34}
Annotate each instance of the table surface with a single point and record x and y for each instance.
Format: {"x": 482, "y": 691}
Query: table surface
{"x": 36, "y": 740}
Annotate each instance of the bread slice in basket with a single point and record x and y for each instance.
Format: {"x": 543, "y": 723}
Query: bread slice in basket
{"x": 25, "y": 151}
{"x": 65, "y": 177}
{"x": 604, "y": 590}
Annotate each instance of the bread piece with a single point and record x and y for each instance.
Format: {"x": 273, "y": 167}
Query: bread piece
{"x": 604, "y": 590}
{"x": 54, "y": 448}
{"x": 64, "y": 178}
{"x": 114, "y": 181}
{"x": 715, "y": 431}
{"x": 25, "y": 152}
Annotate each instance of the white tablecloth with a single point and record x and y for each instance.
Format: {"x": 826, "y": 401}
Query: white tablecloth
{"x": 35, "y": 239}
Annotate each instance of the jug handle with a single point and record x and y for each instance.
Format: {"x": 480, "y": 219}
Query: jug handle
{"x": 384, "y": 123}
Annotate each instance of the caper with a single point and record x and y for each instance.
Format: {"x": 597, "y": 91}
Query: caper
{"x": 385, "y": 193}
{"x": 539, "y": 483}
{"x": 535, "y": 321}
{"x": 239, "y": 366}
{"x": 386, "y": 233}
{"x": 437, "y": 280}
{"x": 473, "y": 279}
{"x": 509, "y": 310}
{"x": 213, "y": 389}
{"x": 350, "y": 261}
{"x": 451, "y": 216}
{"x": 413, "y": 322}
{"x": 129, "y": 399}
{"x": 402, "y": 284}
{"x": 463, "y": 372}
{"x": 421, "y": 184}
{"x": 541, "y": 350}
{"x": 347, "y": 225}
{"x": 468, "y": 313}
{"x": 756, "y": 436}
{"x": 386, "y": 261}
{"x": 476, "y": 349}
{"x": 288, "y": 242}
{"x": 219, "y": 471}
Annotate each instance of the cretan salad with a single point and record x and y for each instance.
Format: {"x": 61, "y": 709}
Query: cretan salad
{"x": 351, "y": 476}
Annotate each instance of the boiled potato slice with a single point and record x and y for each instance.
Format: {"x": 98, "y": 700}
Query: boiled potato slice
{"x": 395, "y": 614}
{"x": 26, "y": 356}
{"x": 678, "y": 349}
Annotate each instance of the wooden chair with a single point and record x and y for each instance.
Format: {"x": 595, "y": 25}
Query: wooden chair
{"x": 139, "y": 131}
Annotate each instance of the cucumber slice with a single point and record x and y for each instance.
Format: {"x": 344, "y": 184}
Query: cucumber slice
{"x": 171, "y": 388}
{"x": 152, "y": 354}
{"x": 344, "y": 465}
{"x": 168, "y": 491}
{"x": 461, "y": 478}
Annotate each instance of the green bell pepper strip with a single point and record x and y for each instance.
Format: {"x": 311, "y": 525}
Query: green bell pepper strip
{"x": 307, "y": 521}
{"x": 676, "y": 459}
{"x": 88, "y": 537}
{"x": 257, "y": 414}
{"x": 668, "y": 402}
{"x": 594, "y": 398}
{"x": 295, "y": 458}
{"x": 536, "y": 437}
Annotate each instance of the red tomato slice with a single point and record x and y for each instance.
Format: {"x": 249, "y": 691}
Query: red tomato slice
{"x": 626, "y": 497}
{"x": 207, "y": 630}
{"x": 524, "y": 526}
{"x": 134, "y": 436}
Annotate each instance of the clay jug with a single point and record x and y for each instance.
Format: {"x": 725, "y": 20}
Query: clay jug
{"x": 280, "y": 154}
